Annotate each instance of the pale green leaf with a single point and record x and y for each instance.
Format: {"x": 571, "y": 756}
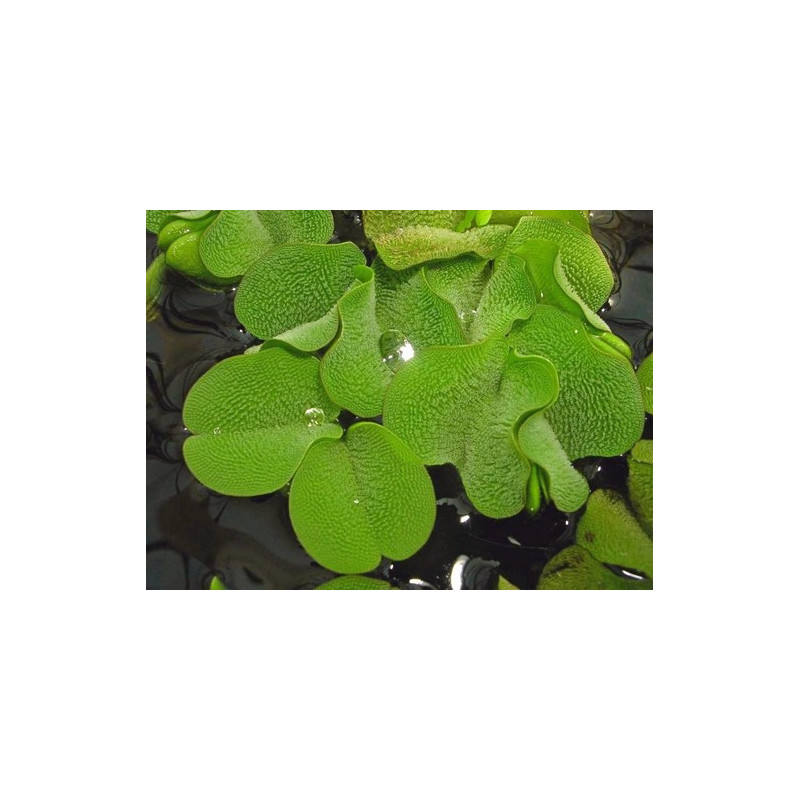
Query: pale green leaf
{"x": 578, "y": 219}
{"x": 419, "y": 244}
{"x": 461, "y": 281}
{"x": 461, "y": 405}
{"x": 366, "y": 496}
{"x": 599, "y": 408}
{"x": 296, "y": 284}
{"x": 610, "y": 532}
{"x": 380, "y": 223}
{"x": 253, "y": 418}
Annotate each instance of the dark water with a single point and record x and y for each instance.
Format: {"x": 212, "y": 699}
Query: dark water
{"x": 194, "y": 533}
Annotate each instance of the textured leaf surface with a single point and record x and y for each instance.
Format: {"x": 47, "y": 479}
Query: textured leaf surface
{"x": 404, "y": 301}
{"x": 297, "y": 227}
{"x": 640, "y": 482}
{"x": 578, "y": 219}
{"x": 357, "y": 499}
{"x": 574, "y": 568}
{"x": 645, "y": 377}
{"x": 353, "y": 371}
{"x": 381, "y": 223}
{"x": 566, "y": 486}
{"x": 296, "y": 284}
{"x": 610, "y": 532}
{"x": 460, "y": 405}
{"x": 461, "y": 281}
{"x": 582, "y": 266}
{"x": 355, "y": 582}
{"x": 155, "y": 219}
{"x": 233, "y": 243}
{"x": 250, "y": 423}
{"x": 508, "y": 296}
{"x": 155, "y": 274}
{"x": 420, "y": 244}
{"x": 599, "y": 409}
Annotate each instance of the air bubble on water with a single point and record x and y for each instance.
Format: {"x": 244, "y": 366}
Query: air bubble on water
{"x": 314, "y": 417}
{"x": 217, "y": 431}
{"x": 395, "y": 348}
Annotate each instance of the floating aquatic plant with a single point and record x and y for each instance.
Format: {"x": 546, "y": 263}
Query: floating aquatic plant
{"x": 472, "y": 339}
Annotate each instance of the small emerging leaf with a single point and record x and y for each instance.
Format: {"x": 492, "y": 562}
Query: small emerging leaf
{"x": 566, "y": 486}
{"x": 216, "y": 583}
{"x": 502, "y": 583}
{"x": 366, "y": 496}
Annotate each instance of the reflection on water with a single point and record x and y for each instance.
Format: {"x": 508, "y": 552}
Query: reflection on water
{"x": 194, "y": 534}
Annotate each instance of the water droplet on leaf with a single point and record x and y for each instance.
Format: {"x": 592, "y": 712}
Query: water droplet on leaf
{"x": 217, "y": 431}
{"x": 395, "y": 349}
{"x": 314, "y": 417}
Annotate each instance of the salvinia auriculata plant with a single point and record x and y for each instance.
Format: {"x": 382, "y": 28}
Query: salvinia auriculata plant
{"x": 472, "y": 339}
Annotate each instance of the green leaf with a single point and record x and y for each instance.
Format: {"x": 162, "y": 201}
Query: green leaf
{"x": 253, "y": 418}
{"x": 366, "y": 496}
{"x": 461, "y": 405}
{"x": 155, "y": 274}
{"x": 461, "y": 281}
{"x": 155, "y": 219}
{"x": 609, "y": 531}
{"x": 487, "y": 299}
{"x": 216, "y": 583}
{"x": 297, "y": 284}
{"x": 297, "y": 227}
{"x": 172, "y": 230}
{"x": 353, "y": 371}
{"x": 482, "y": 218}
{"x": 640, "y": 482}
{"x": 568, "y": 267}
{"x": 354, "y": 582}
{"x": 419, "y": 244}
{"x": 183, "y": 255}
{"x": 574, "y": 568}
{"x": 599, "y": 408}
{"x": 405, "y": 302}
{"x": 502, "y": 583}
{"x": 359, "y": 366}
{"x": 378, "y": 224}
{"x": 234, "y": 242}
{"x": 578, "y": 219}
{"x": 566, "y": 486}
{"x": 645, "y": 377}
